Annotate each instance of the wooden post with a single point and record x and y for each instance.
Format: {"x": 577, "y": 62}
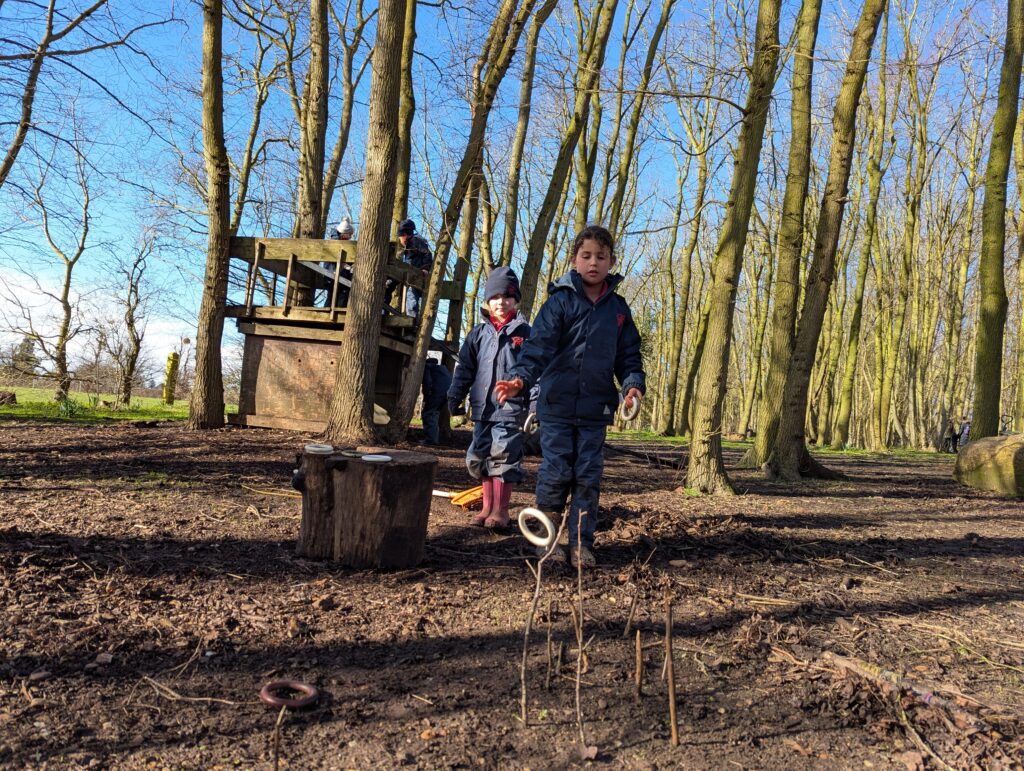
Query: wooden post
{"x": 171, "y": 377}
{"x": 316, "y": 533}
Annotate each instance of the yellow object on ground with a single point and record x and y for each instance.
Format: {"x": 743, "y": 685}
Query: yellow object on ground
{"x": 467, "y": 499}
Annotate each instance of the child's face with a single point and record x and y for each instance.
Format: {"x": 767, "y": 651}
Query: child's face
{"x": 501, "y": 306}
{"x": 593, "y": 261}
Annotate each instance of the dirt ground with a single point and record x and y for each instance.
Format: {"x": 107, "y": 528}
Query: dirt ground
{"x": 149, "y": 588}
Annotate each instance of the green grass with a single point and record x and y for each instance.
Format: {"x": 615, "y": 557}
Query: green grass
{"x": 38, "y": 404}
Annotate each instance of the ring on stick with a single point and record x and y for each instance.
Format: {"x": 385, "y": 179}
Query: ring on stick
{"x": 531, "y": 424}
{"x": 548, "y": 539}
{"x": 628, "y": 413}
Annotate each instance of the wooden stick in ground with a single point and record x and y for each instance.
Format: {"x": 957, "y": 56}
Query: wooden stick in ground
{"x": 632, "y": 610}
{"x": 538, "y": 574}
{"x": 639, "y": 676}
{"x": 579, "y": 630}
{"x": 670, "y": 671}
{"x": 547, "y": 677}
{"x": 277, "y": 736}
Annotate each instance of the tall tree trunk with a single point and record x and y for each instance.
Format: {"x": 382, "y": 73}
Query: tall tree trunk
{"x": 789, "y": 456}
{"x": 465, "y": 258}
{"x": 673, "y": 348}
{"x": 597, "y": 42}
{"x": 515, "y": 162}
{"x": 313, "y": 129}
{"x": 988, "y": 356}
{"x": 877, "y": 166}
{"x": 351, "y": 411}
{"x": 406, "y": 113}
{"x": 706, "y": 471}
{"x": 206, "y": 405}
{"x": 1018, "y": 158}
{"x": 791, "y": 237}
{"x": 629, "y": 148}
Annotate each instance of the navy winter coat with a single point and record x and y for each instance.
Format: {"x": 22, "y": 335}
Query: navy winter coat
{"x": 486, "y": 357}
{"x": 416, "y": 252}
{"x": 436, "y": 382}
{"x": 577, "y": 349}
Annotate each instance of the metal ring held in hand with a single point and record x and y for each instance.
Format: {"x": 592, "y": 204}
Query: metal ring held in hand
{"x": 529, "y": 513}
{"x": 628, "y": 413}
{"x": 531, "y": 425}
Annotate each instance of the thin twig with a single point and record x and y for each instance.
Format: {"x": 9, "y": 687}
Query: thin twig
{"x": 277, "y": 736}
{"x": 670, "y": 670}
{"x": 167, "y": 693}
{"x": 639, "y": 676}
{"x": 916, "y": 737}
{"x": 632, "y": 610}
{"x": 579, "y": 630}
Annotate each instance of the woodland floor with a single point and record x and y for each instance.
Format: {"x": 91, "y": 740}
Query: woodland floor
{"x": 149, "y": 587}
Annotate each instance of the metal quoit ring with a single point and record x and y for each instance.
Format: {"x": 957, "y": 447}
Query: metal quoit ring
{"x": 531, "y": 425}
{"x": 628, "y": 413}
{"x": 545, "y": 541}
{"x": 268, "y": 694}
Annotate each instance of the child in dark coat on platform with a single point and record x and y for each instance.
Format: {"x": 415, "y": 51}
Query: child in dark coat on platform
{"x": 489, "y": 353}
{"x": 583, "y": 339}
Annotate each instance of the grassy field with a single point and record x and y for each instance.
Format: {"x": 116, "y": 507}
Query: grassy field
{"x": 86, "y": 408}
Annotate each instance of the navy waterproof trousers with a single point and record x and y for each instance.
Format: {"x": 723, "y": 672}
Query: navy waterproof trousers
{"x": 573, "y": 461}
{"x": 496, "y": 451}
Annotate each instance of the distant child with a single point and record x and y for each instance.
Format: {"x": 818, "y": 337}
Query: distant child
{"x": 436, "y": 382}
{"x": 488, "y": 355}
{"x": 583, "y": 340}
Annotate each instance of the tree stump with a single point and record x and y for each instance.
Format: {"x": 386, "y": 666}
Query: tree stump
{"x": 365, "y": 513}
{"x": 995, "y": 463}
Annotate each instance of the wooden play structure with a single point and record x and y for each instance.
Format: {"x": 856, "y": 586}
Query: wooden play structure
{"x": 292, "y": 315}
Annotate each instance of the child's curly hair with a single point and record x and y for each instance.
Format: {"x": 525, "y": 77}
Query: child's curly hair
{"x": 597, "y": 232}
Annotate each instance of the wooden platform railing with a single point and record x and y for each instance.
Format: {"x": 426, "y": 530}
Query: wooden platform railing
{"x": 312, "y": 264}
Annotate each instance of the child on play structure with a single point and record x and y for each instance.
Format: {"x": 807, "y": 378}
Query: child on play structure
{"x": 583, "y": 339}
{"x": 490, "y": 351}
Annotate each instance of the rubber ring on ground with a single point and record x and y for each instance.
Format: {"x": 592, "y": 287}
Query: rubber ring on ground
{"x": 628, "y": 413}
{"x": 543, "y": 542}
{"x": 530, "y": 426}
{"x": 267, "y": 694}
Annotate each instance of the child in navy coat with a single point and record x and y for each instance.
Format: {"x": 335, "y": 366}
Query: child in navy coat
{"x": 583, "y": 339}
{"x": 488, "y": 355}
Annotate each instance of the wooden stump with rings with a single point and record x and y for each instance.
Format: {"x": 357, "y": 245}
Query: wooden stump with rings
{"x": 364, "y": 507}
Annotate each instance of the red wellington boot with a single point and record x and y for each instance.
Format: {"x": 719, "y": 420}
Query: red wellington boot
{"x": 499, "y": 518}
{"x": 481, "y": 516}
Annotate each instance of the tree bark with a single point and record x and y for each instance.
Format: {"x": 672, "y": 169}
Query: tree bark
{"x": 406, "y": 113}
{"x": 596, "y": 47}
{"x": 789, "y": 457}
{"x": 988, "y": 355}
{"x": 206, "y": 405}
{"x": 791, "y": 237}
{"x": 351, "y": 411}
{"x": 706, "y": 471}
{"x": 508, "y": 238}
{"x": 313, "y": 129}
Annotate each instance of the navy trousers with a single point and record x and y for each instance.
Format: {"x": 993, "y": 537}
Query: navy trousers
{"x": 496, "y": 451}
{"x": 573, "y": 461}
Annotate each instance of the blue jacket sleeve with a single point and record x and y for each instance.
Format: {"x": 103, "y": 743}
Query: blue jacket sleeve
{"x": 465, "y": 371}
{"x": 540, "y": 349}
{"x": 629, "y": 363}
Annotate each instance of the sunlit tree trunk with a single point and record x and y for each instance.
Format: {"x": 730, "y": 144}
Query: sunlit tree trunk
{"x": 206, "y": 405}
{"x": 988, "y": 356}
{"x": 351, "y": 412}
{"x": 706, "y": 471}
{"x": 1018, "y": 158}
{"x": 406, "y": 113}
{"x": 508, "y": 238}
{"x": 789, "y": 457}
{"x": 313, "y": 129}
{"x": 791, "y": 236}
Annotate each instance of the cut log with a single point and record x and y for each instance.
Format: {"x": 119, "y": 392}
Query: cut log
{"x": 366, "y": 513}
{"x": 995, "y": 463}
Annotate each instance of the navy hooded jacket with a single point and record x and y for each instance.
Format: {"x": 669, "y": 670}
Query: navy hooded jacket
{"x": 487, "y": 356}
{"x": 436, "y": 382}
{"x": 577, "y": 349}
